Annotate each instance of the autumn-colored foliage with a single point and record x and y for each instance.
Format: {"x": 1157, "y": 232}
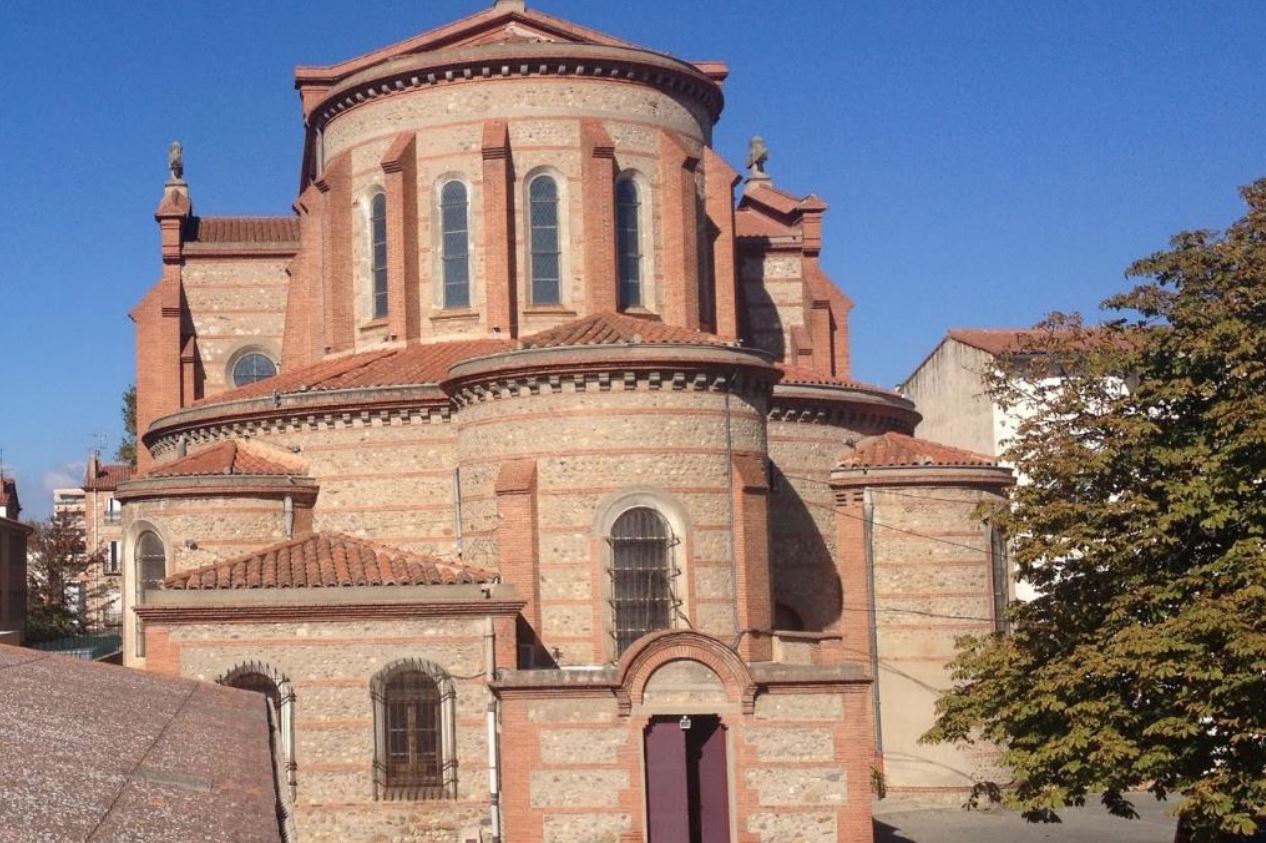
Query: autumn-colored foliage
{"x": 1141, "y": 522}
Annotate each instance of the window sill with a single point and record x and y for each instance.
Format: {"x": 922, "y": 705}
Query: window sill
{"x": 463, "y": 313}
{"x": 548, "y": 310}
{"x": 640, "y": 312}
{"x": 374, "y": 323}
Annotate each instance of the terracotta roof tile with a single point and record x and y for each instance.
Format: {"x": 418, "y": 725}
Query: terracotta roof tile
{"x": 243, "y": 230}
{"x": 804, "y": 376}
{"x": 328, "y": 560}
{"x": 108, "y": 478}
{"x": 894, "y": 450}
{"x": 751, "y": 223}
{"x": 231, "y": 457}
{"x": 415, "y": 364}
{"x": 771, "y": 197}
{"x": 617, "y": 329}
{"x": 428, "y": 363}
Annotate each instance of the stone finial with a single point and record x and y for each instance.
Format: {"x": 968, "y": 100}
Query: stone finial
{"x": 757, "y": 155}
{"x": 176, "y": 163}
{"x": 510, "y": 5}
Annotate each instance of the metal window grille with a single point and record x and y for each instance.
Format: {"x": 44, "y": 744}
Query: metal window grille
{"x": 546, "y": 254}
{"x": 151, "y": 568}
{"x": 642, "y": 575}
{"x": 378, "y": 237}
{"x": 628, "y": 236}
{"x": 455, "y": 247}
{"x": 415, "y": 728}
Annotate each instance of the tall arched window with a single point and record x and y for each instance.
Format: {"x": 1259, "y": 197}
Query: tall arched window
{"x": 546, "y": 264}
{"x": 415, "y": 733}
{"x": 642, "y": 575}
{"x": 150, "y": 565}
{"x": 455, "y": 247}
{"x": 628, "y": 242}
{"x": 378, "y": 244}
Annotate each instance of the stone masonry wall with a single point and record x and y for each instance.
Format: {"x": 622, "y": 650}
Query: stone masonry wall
{"x": 593, "y": 449}
{"x": 236, "y": 305}
{"x": 330, "y": 664}
{"x": 929, "y": 589}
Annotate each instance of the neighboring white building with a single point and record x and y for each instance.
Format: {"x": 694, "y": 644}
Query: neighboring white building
{"x": 950, "y": 388}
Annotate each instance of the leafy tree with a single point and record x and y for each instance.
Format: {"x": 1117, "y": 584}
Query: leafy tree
{"x": 1142, "y": 524}
{"x": 55, "y": 560}
{"x": 127, "y": 448}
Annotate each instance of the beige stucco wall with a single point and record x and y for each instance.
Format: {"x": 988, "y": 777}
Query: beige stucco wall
{"x": 948, "y": 389}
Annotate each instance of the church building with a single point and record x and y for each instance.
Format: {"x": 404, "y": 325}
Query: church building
{"x": 520, "y": 467}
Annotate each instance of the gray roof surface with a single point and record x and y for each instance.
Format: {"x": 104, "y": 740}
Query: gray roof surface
{"x": 95, "y": 752}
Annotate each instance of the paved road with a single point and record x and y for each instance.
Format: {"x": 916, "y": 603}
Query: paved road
{"x": 1091, "y": 824}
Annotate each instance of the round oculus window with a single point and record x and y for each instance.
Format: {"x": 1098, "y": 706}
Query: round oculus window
{"x": 253, "y": 367}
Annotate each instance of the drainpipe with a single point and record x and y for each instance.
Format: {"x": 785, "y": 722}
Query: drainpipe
{"x": 494, "y": 750}
{"x": 457, "y": 516}
{"x": 729, "y": 497}
{"x": 868, "y": 540}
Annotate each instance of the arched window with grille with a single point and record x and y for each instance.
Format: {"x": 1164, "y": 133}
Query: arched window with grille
{"x": 278, "y": 691}
{"x": 546, "y": 257}
{"x": 455, "y": 245}
{"x": 628, "y": 242}
{"x": 378, "y": 253}
{"x": 415, "y": 734}
{"x": 150, "y": 567}
{"x": 642, "y": 573}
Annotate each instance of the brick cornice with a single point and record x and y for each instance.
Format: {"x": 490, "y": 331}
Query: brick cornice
{"x": 490, "y": 62}
{"x": 986, "y": 478}
{"x": 302, "y": 489}
{"x": 190, "y": 613}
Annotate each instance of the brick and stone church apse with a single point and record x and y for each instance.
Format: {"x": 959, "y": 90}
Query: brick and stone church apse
{"x": 519, "y": 467}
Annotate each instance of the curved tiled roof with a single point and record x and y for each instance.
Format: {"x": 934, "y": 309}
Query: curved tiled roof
{"x": 414, "y": 364}
{"x": 327, "y": 560}
{"x": 896, "y": 450}
{"x": 617, "y": 329}
{"x": 428, "y": 363}
{"x": 232, "y": 457}
{"x": 802, "y": 376}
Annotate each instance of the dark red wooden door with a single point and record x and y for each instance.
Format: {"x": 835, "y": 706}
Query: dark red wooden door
{"x": 667, "y": 793}
{"x": 687, "y": 781}
{"x": 714, "y": 791}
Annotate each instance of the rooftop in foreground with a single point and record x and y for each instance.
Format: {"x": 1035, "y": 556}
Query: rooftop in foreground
{"x": 189, "y": 761}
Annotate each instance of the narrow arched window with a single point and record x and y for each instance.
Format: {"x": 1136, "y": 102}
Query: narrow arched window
{"x": 642, "y": 575}
{"x": 546, "y": 255}
{"x": 150, "y": 565}
{"x": 378, "y": 243}
{"x": 415, "y": 733}
{"x": 628, "y": 241}
{"x": 455, "y": 247}
{"x": 151, "y": 560}
{"x": 251, "y": 367}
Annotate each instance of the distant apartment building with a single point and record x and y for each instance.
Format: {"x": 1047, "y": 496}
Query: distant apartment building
{"x": 68, "y": 500}
{"x": 12, "y": 565}
{"x": 103, "y": 535}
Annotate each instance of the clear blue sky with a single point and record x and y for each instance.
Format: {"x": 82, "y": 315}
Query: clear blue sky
{"x": 985, "y": 162}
